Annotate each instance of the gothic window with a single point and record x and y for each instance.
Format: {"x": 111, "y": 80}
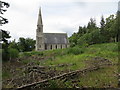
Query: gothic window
{"x": 45, "y": 46}
{"x": 56, "y": 46}
{"x": 50, "y": 46}
{"x": 61, "y": 46}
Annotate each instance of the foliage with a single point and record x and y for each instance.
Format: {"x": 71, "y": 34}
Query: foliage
{"x": 75, "y": 50}
{"x": 73, "y": 39}
{"x": 13, "y": 44}
{"x": 53, "y": 84}
{"x": 2, "y": 10}
{"x": 27, "y": 44}
{"x": 3, "y": 33}
{"x": 32, "y": 53}
{"x": 13, "y": 53}
{"x": 106, "y": 50}
{"x": 5, "y": 55}
{"x": 91, "y": 25}
{"x": 60, "y": 62}
{"x": 92, "y": 34}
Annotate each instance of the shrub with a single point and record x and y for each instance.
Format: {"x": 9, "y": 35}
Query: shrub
{"x": 27, "y": 54}
{"x": 5, "y": 55}
{"x": 37, "y": 53}
{"x": 75, "y": 50}
{"x": 13, "y": 53}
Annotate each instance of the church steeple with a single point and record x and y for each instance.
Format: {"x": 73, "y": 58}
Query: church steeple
{"x": 39, "y": 18}
{"x": 39, "y": 33}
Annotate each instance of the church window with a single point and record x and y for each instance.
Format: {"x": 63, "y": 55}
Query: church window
{"x": 56, "y": 46}
{"x": 45, "y": 46}
{"x": 50, "y": 46}
{"x": 61, "y": 46}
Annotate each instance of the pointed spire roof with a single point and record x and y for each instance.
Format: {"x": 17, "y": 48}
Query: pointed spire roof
{"x": 40, "y": 18}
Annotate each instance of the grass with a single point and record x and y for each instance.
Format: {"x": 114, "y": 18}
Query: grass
{"x": 103, "y": 77}
{"x": 76, "y": 59}
{"x": 6, "y": 74}
{"x": 75, "y": 55}
{"x": 99, "y": 79}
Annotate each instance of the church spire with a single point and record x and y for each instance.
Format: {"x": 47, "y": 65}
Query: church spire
{"x": 40, "y": 18}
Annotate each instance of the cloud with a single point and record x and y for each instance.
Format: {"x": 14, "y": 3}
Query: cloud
{"x": 58, "y": 15}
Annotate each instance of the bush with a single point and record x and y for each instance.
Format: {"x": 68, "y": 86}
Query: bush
{"x": 5, "y": 55}
{"x": 75, "y": 50}
{"x": 27, "y": 54}
{"x": 37, "y": 53}
{"x": 13, "y": 53}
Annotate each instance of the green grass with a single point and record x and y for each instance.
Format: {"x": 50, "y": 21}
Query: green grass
{"x": 103, "y": 77}
{"x": 77, "y": 58}
{"x": 100, "y": 78}
{"x": 6, "y": 74}
{"x": 76, "y": 55}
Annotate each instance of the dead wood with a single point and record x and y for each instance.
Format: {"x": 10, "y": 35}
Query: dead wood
{"x": 62, "y": 76}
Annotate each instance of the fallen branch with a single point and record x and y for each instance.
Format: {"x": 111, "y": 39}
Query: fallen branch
{"x": 58, "y": 77}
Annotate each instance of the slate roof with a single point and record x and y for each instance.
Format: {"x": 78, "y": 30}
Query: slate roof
{"x": 55, "y": 38}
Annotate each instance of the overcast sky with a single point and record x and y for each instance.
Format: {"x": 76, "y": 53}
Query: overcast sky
{"x": 58, "y": 15}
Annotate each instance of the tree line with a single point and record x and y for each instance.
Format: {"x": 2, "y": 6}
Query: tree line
{"x": 92, "y": 34}
{"x": 86, "y": 35}
{"x": 10, "y": 50}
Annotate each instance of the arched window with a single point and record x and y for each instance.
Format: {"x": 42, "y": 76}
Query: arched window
{"x": 61, "y": 46}
{"x": 56, "y": 46}
{"x": 45, "y": 46}
{"x": 50, "y": 46}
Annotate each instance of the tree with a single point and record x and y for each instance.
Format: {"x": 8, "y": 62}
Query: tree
{"x": 82, "y": 30}
{"x": 2, "y": 10}
{"x": 108, "y": 32}
{"x": 3, "y": 20}
{"x": 73, "y": 39}
{"x": 13, "y": 44}
{"x": 91, "y": 25}
{"x": 103, "y": 31}
{"x": 27, "y": 44}
{"x": 102, "y": 23}
{"x": 110, "y": 28}
{"x": 4, "y": 34}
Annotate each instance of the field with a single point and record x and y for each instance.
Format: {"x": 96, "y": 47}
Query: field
{"x": 34, "y": 66}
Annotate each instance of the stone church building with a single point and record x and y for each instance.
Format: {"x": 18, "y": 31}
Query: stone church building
{"x": 49, "y": 41}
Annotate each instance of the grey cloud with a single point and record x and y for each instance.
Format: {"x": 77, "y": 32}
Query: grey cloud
{"x": 57, "y": 16}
